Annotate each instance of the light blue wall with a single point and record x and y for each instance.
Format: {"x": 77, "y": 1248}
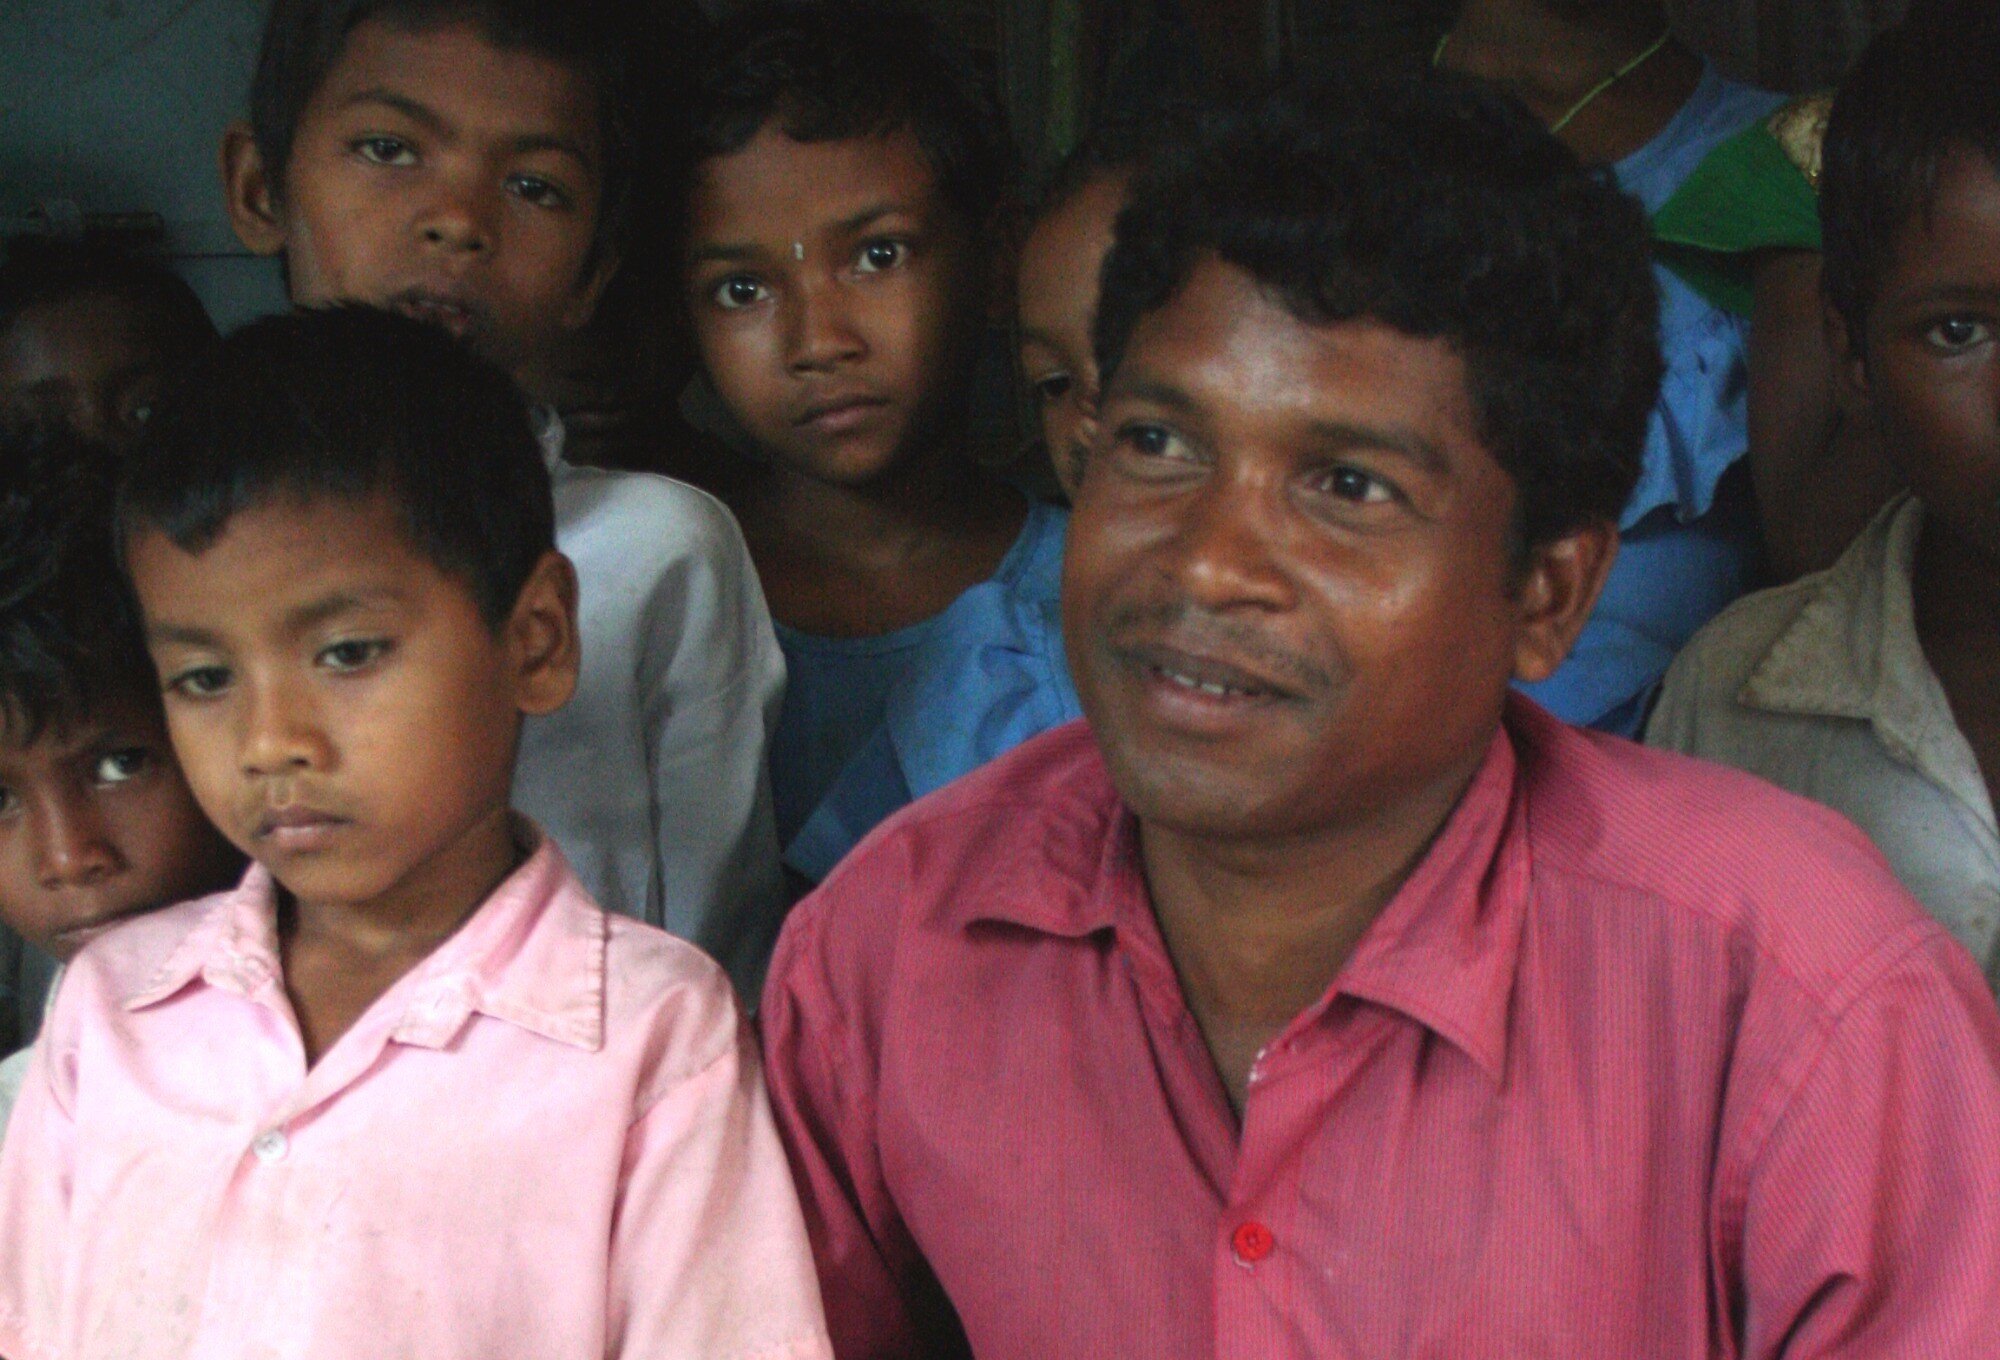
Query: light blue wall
{"x": 118, "y": 106}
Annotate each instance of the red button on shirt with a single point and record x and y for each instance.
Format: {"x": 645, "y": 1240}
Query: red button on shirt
{"x": 1619, "y": 978}
{"x": 1252, "y": 1242}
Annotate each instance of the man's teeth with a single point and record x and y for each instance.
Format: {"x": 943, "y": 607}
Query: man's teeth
{"x": 1209, "y": 687}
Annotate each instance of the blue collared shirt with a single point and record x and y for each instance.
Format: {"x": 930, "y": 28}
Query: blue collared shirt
{"x": 1689, "y": 542}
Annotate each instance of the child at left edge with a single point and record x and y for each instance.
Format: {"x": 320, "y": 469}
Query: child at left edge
{"x": 96, "y": 822}
{"x": 407, "y": 1090}
{"x": 467, "y": 163}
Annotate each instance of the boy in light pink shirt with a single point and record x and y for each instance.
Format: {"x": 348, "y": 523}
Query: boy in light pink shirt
{"x": 407, "y": 1091}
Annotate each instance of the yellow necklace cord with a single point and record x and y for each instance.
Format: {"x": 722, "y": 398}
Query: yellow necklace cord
{"x": 1437, "y": 59}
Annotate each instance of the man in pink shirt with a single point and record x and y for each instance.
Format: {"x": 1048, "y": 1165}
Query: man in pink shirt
{"x": 1314, "y": 998}
{"x": 407, "y": 1091}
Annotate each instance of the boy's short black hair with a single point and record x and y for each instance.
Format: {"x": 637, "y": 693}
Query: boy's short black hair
{"x": 69, "y": 636}
{"x": 43, "y": 273}
{"x": 831, "y": 70}
{"x": 303, "y": 39}
{"x": 1443, "y": 210}
{"x": 1920, "y": 92}
{"x": 351, "y": 402}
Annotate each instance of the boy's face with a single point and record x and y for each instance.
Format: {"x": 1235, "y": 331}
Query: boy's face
{"x": 1057, "y": 293}
{"x": 1291, "y": 594}
{"x": 96, "y": 824}
{"x": 441, "y": 176}
{"x": 342, "y": 709}
{"x": 834, "y": 295}
{"x": 94, "y": 363}
{"x": 1932, "y": 373}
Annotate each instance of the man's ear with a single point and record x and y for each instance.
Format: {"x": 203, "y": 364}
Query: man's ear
{"x": 1558, "y": 588}
{"x": 604, "y": 264}
{"x": 247, "y": 190}
{"x": 541, "y": 637}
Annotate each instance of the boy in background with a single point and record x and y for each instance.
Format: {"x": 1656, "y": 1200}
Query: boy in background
{"x": 846, "y": 176}
{"x": 96, "y": 822}
{"x": 1871, "y": 686}
{"x": 89, "y": 336}
{"x": 466, "y": 164}
{"x": 407, "y": 1090}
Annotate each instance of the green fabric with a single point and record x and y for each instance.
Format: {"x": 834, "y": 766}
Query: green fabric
{"x": 1745, "y": 197}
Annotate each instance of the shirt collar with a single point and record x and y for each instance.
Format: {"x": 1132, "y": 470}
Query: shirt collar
{"x": 1852, "y": 651}
{"x": 550, "y": 433}
{"x": 531, "y": 955}
{"x": 1444, "y": 951}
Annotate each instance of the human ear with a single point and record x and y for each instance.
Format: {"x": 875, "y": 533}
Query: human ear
{"x": 1850, "y": 387}
{"x": 604, "y": 264}
{"x": 541, "y": 637}
{"x": 248, "y": 193}
{"x": 1558, "y": 588}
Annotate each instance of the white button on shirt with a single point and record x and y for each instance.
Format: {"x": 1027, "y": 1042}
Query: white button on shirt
{"x": 1822, "y": 688}
{"x": 653, "y": 778}
{"x": 271, "y": 1146}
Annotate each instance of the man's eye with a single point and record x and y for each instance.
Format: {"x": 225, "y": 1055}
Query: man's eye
{"x": 199, "y": 682}
{"x": 1151, "y": 441}
{"x": 385, "y": 151}
{"x": 1956, "y": 334}
{"x": 877, "y": 256}
{"x": 1352, "y": 484}
{"x": 737, "y": 292}
{"x": 116, "y": 767}
{"x": 538, "y": 191}
{"x": 1053, "y": 388}
{"x": 352, "y": 656}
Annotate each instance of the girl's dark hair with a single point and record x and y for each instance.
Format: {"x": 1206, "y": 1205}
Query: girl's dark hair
{"x": 1444, "y": 210}
{"x": 830, "y": 70}
{"x": 349, "y": 403}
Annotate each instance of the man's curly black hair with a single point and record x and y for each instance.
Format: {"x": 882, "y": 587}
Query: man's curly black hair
{"x": 69, "y": 633}
{"x": 1445, "y": 211}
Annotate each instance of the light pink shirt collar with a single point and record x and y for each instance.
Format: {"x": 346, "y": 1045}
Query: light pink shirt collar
{"x": 531, "y": 955}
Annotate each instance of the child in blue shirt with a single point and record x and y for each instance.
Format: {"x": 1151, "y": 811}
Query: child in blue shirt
{"x": 840, "y": 215}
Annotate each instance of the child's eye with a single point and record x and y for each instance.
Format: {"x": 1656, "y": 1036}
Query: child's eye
{"x": 1352, "y": 484}
{"x": 1956, "y": 334}
{"x": 737, "y": 292}
{"x": 116, "y": 767}
{"x": 878, "y": 256}
{"x": 352, "y": 656}
{"x": 1053, "y": 388}
{"x": 199, "y": 682}
{"x": 385, "y": 151}
{"x": 538, "y": 191}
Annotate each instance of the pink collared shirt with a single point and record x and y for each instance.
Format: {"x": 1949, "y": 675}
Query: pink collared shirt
{"x": 549, "y": 1140}
{"x": 1646, "y": 1059}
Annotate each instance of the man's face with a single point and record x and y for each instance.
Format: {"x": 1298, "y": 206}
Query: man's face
{"x": 1291, "y": 599}
{"x": 1057, "y": 294}
{"x": 96, "y": 824}
{"x": 342, "y": 709}
{"x": 93, "y": 363}
{"x": 1932, "y": 374}
{"x": 444, "y": 177}
{"x": 832, "y": 291}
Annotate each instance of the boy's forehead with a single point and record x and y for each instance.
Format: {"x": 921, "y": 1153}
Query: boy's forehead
{"x": 779, "y": 187}
{"x": 454, "y": 74}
